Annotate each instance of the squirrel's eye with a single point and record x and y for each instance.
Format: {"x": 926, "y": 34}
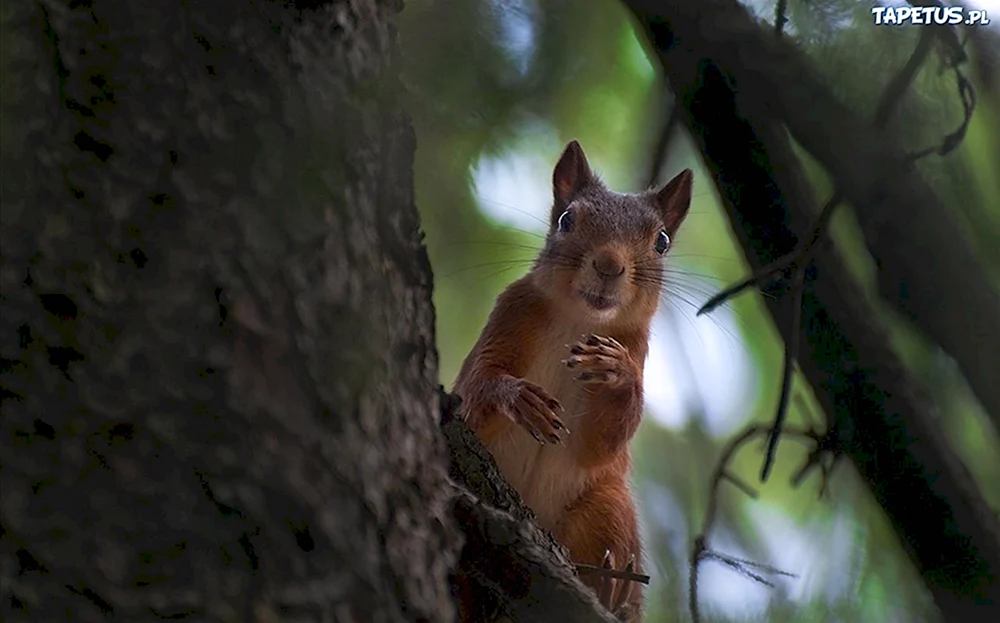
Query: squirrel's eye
{"x": 565, "y": 221}
{"x": 662, "y": 242}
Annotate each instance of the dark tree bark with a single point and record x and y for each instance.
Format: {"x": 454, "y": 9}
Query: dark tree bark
{"x": 513, "y": 568}
{"x": 219, "y": 366}
{"x": 218, "y": 362}
{"x": 883, "y": 421}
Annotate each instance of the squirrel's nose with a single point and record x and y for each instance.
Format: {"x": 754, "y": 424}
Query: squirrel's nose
{"x": 608, "y": 266}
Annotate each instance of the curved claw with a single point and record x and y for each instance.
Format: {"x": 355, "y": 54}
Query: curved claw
{"x": 626, "y": 586}
{"x": 606, "y": 593}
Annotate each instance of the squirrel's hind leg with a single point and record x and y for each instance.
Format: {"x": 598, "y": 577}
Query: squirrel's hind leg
{"x": 599, "y": 528}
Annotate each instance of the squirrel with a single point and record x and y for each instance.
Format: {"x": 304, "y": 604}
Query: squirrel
{"x": 553, "y": 387}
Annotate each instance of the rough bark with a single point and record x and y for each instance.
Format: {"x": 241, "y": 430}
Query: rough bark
{"x": 513, "y": 567}
{"x": 218, "y": 365}
{"x": 885, "y": 424}
{"x": 219, "y": 374}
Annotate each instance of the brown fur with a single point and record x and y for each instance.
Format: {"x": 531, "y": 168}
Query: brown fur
{"x": 560, "y": 361}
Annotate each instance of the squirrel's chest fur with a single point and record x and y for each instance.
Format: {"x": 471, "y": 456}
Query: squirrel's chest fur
{"x": 548, "y": 477}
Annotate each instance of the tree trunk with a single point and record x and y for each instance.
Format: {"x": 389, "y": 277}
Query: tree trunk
{"x": 219, "y": 377}
{"x": 219, "y": 372}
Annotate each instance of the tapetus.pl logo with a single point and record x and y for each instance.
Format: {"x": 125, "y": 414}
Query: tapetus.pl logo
{"x": 899, "y": 14}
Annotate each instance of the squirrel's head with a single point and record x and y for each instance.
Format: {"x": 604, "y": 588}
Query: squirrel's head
{"x": 604, "y": 252}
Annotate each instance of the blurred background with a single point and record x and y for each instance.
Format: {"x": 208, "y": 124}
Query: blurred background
{"x": 497, "y": 87}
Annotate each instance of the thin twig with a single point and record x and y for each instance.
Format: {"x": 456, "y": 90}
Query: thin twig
{"x": 780, "y": 17}
{"x": 618, "y": 574}
{"x": 745, "y": 567}
{"x": 814, "y": 460}
{"x": 722, "y": 473}
{"x": 791, "y": 356}
{"x": 948, "y": 36}
{"x": 896, "y": 88}
{"x": 957, "y": 55}
{"x": 954, "y": 139}
{"x": 742, "y": 486}
{"x": 792, "y": 347}
{"x": 755, "y": 565}
{"x": 781, "y": 265}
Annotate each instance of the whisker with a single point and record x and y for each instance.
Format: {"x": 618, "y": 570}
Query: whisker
{"x": 675, "y": 255}
{"x": 688, "y": 318}
{"x": 672, "y": 275}
{"x": 518, "y": 210}
{"x": 691, "y": 273}
{"x": 741, "y": 322}
{"x": 512, "y": 262}
{"x": 494, "y": 243}
{"x": 499, "y": 272}
{"x": 693, "y": 286}
{"x": 674, "y": 302}
{"x": 526, "y": 232}
{"x": 681, "y": 296}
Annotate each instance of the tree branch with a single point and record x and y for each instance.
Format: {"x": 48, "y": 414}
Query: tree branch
{"x": 701, "y": 551}
{"x": 880, "y": 418}
{"x": 780, "y": 17}
{"x": 916, "y": 244}
{"x": 513, "y": 566}
{"x": 798, "y": 261}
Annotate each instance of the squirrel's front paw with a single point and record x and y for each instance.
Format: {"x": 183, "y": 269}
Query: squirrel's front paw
{"x": 537, "y": 412}
{"x": 600, "y": 360}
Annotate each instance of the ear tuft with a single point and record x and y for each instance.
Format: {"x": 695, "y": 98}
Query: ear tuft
{"x": 674, "y": 199}
{"x": 571, "y": 175}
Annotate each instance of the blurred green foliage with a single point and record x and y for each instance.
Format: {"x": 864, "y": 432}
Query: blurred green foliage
{"x": 496, "y": 82}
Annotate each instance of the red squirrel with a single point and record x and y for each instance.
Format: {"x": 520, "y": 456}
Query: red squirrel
{"x": 553, "y": 386}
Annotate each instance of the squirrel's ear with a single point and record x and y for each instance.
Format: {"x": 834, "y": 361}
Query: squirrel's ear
{"x": 571, "y": 175}
{"x": 674, "y": 199}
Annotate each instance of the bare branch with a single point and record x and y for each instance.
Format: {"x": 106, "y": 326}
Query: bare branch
{"x": 951, "y": 141}
{"x": 722, "y": 473}
{"x": 620, "y": 574}
{"x": 897, "y": 87}
{"x": 784, "y": 264}
{"x": 761, "y": 566}
{"x": 780, "y": 17}
{"x": 739, "y": 484}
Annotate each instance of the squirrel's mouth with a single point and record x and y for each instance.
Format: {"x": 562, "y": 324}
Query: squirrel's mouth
{"x": 598, "y": 301}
